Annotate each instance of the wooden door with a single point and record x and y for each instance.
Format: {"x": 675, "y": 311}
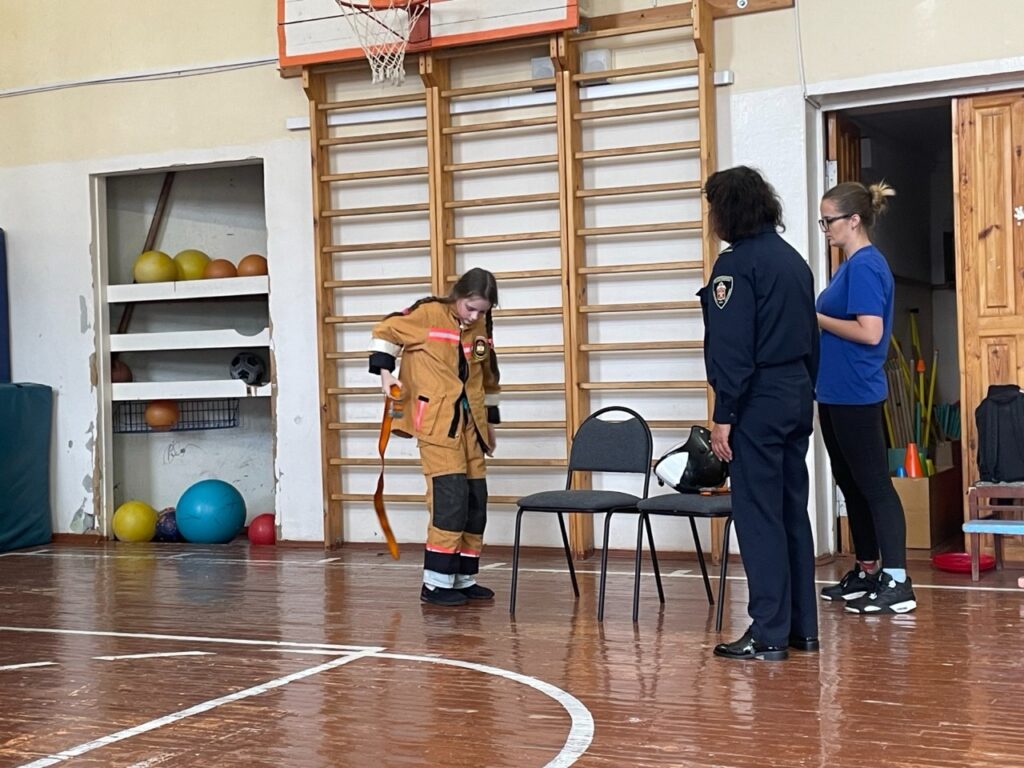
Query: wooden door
{"x": 842, "y": 163}
{"x": 989, "y": 202}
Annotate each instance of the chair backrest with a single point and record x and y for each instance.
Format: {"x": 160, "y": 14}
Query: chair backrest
{"x": 623, "y": 445}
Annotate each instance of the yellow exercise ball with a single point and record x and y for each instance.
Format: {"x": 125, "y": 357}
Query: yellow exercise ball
{"x": 135, "y": 521}
{"x": 154, "y": 267}
{"x": 191, "y": 264}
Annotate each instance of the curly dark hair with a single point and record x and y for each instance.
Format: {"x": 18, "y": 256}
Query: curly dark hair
{"x": 742, "y": 203}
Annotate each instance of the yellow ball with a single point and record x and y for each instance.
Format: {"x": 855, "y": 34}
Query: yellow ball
{"x": 191, "y": 264}
{"x": 154, "y": 267}
{"x": 135, "y": 521}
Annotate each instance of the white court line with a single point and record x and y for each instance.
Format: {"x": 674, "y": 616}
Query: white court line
{"x": 25, "y": 554}
{"x": 198, "y": 709}
{"x": 198, "y": 558}
{"x": 304, "y": 651}
{"x": 327, "y": 560}
{"x": 192, "y": 638}
{"x": 26, "y": 666}
{"x": 492, "y": 566}
{"x": 154, "y": 655}
{"x": 581, "y": 733}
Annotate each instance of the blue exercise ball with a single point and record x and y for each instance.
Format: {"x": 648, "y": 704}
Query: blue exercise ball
{"x": 210, "y": 512}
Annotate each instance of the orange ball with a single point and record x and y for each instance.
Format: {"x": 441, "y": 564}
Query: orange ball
{"x": 161, "y": 415}
{"x": 253, "y": 264}
{"x": 219, "y": 268}
{"x": 119, "y": 371}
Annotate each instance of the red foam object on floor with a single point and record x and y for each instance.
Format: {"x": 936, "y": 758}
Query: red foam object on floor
{"x": 960, "y": 562}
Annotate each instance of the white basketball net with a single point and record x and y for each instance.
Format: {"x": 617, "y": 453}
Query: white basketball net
{"x": 383, "y": 33}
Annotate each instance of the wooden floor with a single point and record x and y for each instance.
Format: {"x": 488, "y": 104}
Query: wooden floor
{"x": 168, "y": 655}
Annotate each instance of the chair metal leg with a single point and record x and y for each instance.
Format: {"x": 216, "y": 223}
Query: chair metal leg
{"x": 700, "y": 560}
{"x": 636, "y": 567}
{"x": 515, "y": 565}
{"x": 604, "y": 568}
{"x": 654, "y": 558}
{"x": 568, "y": 556}
{"x": 721, "y": 578}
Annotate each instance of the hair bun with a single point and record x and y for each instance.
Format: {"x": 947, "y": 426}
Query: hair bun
{"x": 879, "y": 192}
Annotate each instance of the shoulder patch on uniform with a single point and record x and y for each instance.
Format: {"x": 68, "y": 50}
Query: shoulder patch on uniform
{"x": 721, "y": 289}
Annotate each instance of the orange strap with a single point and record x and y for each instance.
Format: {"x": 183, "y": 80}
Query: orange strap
{"x": 382, "y": 446}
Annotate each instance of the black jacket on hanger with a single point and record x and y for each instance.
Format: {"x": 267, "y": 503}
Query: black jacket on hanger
{"x": 1000, "y": 420}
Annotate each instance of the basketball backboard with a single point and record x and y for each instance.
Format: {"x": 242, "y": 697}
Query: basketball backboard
{"x": 315, "y": 32}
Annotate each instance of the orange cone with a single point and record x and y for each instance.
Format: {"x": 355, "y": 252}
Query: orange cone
{"x": 912, "y": 462}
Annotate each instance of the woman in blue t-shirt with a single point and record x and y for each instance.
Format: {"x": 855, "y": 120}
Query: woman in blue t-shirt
{"x": 855, "y": 316}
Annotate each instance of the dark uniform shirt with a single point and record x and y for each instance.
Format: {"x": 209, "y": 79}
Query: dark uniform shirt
{"x": 758, "y": 313}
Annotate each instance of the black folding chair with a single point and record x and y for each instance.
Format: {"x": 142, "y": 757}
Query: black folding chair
{"x": 622, "y": 446}
{"x": 691, "y": 505}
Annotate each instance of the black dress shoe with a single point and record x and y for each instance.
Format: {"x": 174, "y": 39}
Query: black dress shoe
{"x": 442, "y": 596}
{"x": 749, "y": 648}
{"x": 803, "y": 643}
{"x": 477, "y": 592}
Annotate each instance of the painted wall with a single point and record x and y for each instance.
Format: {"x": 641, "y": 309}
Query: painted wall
{"x": 219, "y": 98}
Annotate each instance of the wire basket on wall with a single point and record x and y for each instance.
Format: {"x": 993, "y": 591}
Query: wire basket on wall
{"x": 129, "y": 415}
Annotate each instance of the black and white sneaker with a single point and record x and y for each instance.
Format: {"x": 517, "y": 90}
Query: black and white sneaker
{"x": 854, "y": 584}
{"x": 888, "y": 596}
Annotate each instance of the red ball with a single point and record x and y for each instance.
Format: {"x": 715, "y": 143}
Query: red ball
{"x": 262, "y": 530}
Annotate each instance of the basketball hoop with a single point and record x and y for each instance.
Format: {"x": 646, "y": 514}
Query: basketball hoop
{"x": 384, "y": 29}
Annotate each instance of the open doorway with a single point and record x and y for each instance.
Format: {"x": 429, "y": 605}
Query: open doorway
{"x": 910, "y": 146}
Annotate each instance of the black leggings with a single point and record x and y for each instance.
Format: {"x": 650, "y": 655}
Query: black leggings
{"x": 856, "y": 447}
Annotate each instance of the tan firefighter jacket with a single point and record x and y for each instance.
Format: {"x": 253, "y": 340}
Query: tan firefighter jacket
{"x": 430, "y": 341}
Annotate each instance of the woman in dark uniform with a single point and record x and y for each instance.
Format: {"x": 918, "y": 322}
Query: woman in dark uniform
{"x": 761, "y": 352}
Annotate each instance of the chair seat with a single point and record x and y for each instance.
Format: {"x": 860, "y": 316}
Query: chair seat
{"x": 715, "y": 505}
{"x": 578, "y": 501}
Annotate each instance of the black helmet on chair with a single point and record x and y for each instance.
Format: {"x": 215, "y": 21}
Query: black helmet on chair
{"x": 691, "y": 466}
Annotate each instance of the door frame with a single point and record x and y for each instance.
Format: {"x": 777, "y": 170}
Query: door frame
{"x": 870, "y": 91}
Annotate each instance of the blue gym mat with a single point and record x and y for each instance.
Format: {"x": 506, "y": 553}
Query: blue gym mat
{"x": 5, "y": 328}
{"x": 25, "y": 416}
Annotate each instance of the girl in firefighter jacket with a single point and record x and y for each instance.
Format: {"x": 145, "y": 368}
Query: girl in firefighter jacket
{"x": 449, "y": 403}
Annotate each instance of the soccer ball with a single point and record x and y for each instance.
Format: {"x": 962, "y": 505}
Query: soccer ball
{"x": 249, "y": 368}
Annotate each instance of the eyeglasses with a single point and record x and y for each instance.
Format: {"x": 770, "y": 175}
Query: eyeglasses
{"x": 826, "y": 222}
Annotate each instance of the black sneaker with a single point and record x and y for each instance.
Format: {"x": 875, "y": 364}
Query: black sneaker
{"x": 476, "y": 592}
{"x": 854, "y": 584}
{"x": 442, "y": 596}
{"x": 888, "y": 596}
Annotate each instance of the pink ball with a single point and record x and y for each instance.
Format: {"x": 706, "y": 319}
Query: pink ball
{"x": 262, "y": 529}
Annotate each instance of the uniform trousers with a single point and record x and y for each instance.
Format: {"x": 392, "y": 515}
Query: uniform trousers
{"x": 769, "y": 502}
{"x": 457, "y": 502}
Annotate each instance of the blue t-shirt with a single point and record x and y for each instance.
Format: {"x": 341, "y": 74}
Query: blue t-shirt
{"x": 851, "y": 373}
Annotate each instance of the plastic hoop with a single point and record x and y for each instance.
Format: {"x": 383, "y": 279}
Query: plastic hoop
{"x": 384, "y": 29}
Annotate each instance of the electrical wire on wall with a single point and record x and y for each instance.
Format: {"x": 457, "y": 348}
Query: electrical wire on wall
{"x": 801, "y": 68}
{"x": 169, "y": 74}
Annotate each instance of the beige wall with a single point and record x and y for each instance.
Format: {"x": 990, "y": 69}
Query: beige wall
{"x": 843, "y": 39}
{"x": 128, "y": 38}
{"x": 53, "y": 41}
{"x": 120, "y": 38}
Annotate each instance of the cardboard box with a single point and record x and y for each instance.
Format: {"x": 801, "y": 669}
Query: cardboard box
{"x": 934, "y": 507}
